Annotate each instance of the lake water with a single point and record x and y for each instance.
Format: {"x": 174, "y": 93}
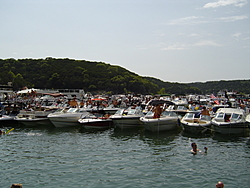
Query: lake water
{"x": 69, "y": 158}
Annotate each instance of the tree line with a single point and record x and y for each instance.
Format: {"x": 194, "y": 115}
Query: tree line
{"x": 58, "y": 73}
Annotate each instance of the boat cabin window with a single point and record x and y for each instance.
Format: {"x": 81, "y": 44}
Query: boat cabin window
{"x": 150, "y": 113}
{"x": 171, "y": 107}
{"x": 197, "y": 115}
{"x": 220, "y": 115}
{"x": 235, "y": 116}
{"x": 189, "y": 115}
{"x": 73, "y": 110}
{"x": 181, "y": 108}
{"x": 131, "y": 111}
{"x": 119, "y": 112}
{"x": 168, "y": 113}
{"x": 204, "y": 117}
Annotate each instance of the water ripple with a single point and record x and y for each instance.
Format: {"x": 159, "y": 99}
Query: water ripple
{"x": 120, "y": 158}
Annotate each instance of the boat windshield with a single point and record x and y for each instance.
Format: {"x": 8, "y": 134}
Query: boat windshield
{"x": 73, "y": 110}
{"x": 220, "y": 115}
{"x": 181, "y": 108}
{"x": 135, "y": 111}
{"x": 235, "y": 116}
{"x": 205, "y": 117}
{"x": 169, "y": 113}
{"x": 119, "y": 112}
{"x": 150, "y": 113}
{"x": 131, "y": 111}
{"x": 189, "y": 116}
{"x": 60, "y": 110}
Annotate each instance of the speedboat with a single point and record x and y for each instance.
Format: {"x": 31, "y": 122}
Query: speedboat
{"x": 180, "y": 110}
{"x": 167, "y": 121}
{"x": 128, "y": 118}
{"x": 194, "y": 122}
{"x": 6, "y": 119}
{"x": 66, "y": 117}
{"x": 95, "y": 120}
{"x": 248, "y": 118}
{"x": 33, "y": 118}
{"x": 229, "y": 121}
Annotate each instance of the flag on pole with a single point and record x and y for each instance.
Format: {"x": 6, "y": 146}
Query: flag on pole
{"x": 213, "y": 97}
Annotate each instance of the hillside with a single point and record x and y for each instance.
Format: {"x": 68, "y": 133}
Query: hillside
{"x": 52, "y": 73}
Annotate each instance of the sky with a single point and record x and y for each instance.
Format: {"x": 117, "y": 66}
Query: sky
{"x": 172, "y": 40}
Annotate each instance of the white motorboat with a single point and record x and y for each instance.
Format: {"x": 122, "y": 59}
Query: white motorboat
{"x": 96, "y": 120}
{"x": 248, "y": 118}
{"x": 230, "y": 121}
{"x": 180, "y": 110}
{"x": 33, "y": 118}
{"x": 6, "y": 119}
{"x": 128, "y": 118}
{"x": 194, "y": 122}
{"x": 167, "y": 121}
{"x": 67, "y": 118}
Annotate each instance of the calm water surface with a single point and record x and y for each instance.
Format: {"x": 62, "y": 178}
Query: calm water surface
{"x": 68, "y": 158}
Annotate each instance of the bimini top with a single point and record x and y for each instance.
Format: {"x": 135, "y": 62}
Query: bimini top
{"x": 231, "y": 111}
{"x": 155, "y": 102}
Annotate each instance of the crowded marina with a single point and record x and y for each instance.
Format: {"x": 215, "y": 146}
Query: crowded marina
{"x": 224, "y": 112}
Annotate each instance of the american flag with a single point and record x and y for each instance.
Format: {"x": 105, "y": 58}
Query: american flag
{"x": 213, "y": 97}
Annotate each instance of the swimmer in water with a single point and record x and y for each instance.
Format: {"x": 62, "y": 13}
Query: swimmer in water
{"x": 16, "y": 185}
{"x": 205, "y": 148}
{"x": 220, "y": 185}
{"x": 194, "y": 149}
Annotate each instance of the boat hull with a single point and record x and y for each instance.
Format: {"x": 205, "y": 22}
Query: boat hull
{"x": 36, "y": 122}
{"x": 230, "y": 128}
{"x": 195, "y": 126}
{"x": 96, "y": 123}
{"x": 7, "y": 120}
{"x": 65, "y": 121}
{"x": 127, "y": 122}
{"x": 158, "y": 124}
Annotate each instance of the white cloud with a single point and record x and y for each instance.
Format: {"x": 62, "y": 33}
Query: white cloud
{"x": 179, "y": 46}
{"x": 219, "y": 3}
{"x": 193, "y": 35}
{"x": 236, "y": 34}
{"x": 206, "y": 43}
{"x": 233, "y": 18}
{"x": 191, "y": 20}
{"x": 175, "y": 47}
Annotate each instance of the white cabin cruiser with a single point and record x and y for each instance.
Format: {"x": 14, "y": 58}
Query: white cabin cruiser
{"x": 194, "y": 122}
{"x": 34, "y": 118}
{"x": 128, "y": 118}
{"x": 96, "y": 120}
{"x": 230, "y": 121}
{"x": 67, "y": 118}
{"x": 167, "y": 121}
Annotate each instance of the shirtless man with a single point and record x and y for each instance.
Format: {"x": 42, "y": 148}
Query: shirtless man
{"x": 157, "y": 111}
{"x": 205, "y": 112}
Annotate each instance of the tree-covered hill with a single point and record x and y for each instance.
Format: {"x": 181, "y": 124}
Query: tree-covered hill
{"x": 242, "y": 86}
{"x": 56, "y": 73}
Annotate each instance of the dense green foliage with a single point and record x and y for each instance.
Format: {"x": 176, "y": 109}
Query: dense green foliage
{"x": 72, "y": 74}
{"x": 67, "y": 73}
{"x": 242, "y": 86}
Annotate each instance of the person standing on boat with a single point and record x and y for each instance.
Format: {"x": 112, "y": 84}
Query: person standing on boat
{"x": 157, "y": 111}
{"x": 73, "y": 103}
{"x": 205, "y": 111}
